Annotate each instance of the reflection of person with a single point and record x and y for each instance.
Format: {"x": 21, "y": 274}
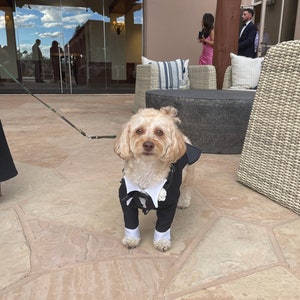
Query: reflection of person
{"x": 75, "y": 66}
{"x": 206, "y": 37}
{"x": 20, "y": 65}
{"x": 37, "y": 60}
{"x": 247, "y": 35}
{"x": 4, "y": 59}
{"x": 265, "y": 43}
{"x": 55, "y": 54}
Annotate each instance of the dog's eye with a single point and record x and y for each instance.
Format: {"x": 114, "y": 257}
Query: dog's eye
{"x": 139, "y": 131}
{"x": 159, "y": 132}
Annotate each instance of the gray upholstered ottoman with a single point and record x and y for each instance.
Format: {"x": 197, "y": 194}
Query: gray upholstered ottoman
{"x": 215, "y": 120}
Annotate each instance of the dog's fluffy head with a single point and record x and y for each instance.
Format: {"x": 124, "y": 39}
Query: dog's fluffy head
{"x": 151, "y": 134}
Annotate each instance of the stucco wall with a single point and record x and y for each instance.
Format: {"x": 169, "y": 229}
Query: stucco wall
{"x": 171, "y": 28}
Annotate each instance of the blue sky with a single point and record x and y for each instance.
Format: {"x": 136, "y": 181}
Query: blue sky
{"x": 48, "y": 23}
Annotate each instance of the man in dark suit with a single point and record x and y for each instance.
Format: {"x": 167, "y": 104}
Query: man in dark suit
{"x": 247, "y": 35}
{"x": 37, "y": 60}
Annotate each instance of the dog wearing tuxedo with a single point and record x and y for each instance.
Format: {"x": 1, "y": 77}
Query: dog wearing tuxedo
{"x": 157, "y": 173}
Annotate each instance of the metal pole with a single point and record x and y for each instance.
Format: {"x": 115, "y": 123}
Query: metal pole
{"x": 104, "y": 44}
{"x": 262, "y": 26}
{"x": 60, "y": 71}
{"x": 280, "y": 23}
{"x": 69, "y": 65}
{"x": 63, "y": 42}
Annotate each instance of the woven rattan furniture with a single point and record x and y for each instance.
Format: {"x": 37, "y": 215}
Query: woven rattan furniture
{"x": 227, "y": 81}
{"x": 147, "y": 78}
{"x": 270, "y": 159}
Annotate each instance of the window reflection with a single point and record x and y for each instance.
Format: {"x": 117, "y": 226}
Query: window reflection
{"x": 92, "y": 57}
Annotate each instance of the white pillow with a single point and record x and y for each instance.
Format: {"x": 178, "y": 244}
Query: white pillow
{"x": 172, "y": 74}
{"x": 147, "y": 61}
{"x": 245, "y": 71}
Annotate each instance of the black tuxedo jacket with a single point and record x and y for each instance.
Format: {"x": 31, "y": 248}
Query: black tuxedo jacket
{"x": 246, "y": 41}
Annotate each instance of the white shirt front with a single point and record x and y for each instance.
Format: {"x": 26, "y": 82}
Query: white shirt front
{"x": 152, "y": 191}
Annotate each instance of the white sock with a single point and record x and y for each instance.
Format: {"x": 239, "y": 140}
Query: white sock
{"x": 133, "y": 233}
{"x": 162, "y": 235}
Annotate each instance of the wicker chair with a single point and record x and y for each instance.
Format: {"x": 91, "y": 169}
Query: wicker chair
{"x": 270, "y": 159}
{"x": 227, "y": 81}
{"x": 201, "y": 77}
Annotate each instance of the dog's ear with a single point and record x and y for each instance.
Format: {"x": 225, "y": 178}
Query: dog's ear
{"x": 121, "y": 146}
{"x": 177, "y": 147}
{"x": 172, "y": 112}
{"x": 169, "y": 110}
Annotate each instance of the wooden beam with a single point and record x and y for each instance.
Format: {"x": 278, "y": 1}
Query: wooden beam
{"x": 226, "y": 35}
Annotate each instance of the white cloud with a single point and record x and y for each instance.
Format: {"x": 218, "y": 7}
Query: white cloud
{"x": 51, "y": 25}
{"x": 71, "y": 26}
{"x": 78, "y": 19}
{"x": 2, "y": 22}
{"x": 55, "y": 16}
{"x": 56, "y": 34}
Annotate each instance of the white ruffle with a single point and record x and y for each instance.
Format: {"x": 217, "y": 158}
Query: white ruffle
{"x": 152, "y": 191}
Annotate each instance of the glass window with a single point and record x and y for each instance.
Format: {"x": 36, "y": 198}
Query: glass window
{"x": 92, "y": 47}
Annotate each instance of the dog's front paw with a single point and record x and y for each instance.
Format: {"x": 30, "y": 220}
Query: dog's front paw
{"x": 162, "y": 245}
{"x": 162, "y": 240}
{"x": 131, "y": 238}
{"x": 184, "y": 202}
{"x": 130, "y": 242}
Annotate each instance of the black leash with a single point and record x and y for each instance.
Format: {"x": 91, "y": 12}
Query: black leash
{"x": 93, "y": 137}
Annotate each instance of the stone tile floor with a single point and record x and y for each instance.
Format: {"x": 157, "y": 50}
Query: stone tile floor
{"x": 61, "y": 223}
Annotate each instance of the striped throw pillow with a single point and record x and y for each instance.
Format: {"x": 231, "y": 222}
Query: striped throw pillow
{"x": 172, "y": 74}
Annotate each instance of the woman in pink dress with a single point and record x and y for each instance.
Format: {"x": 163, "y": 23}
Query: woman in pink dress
{"x": 206, "y": 37}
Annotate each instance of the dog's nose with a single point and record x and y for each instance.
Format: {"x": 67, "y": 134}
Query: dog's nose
{"x": 148, "y": 146}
